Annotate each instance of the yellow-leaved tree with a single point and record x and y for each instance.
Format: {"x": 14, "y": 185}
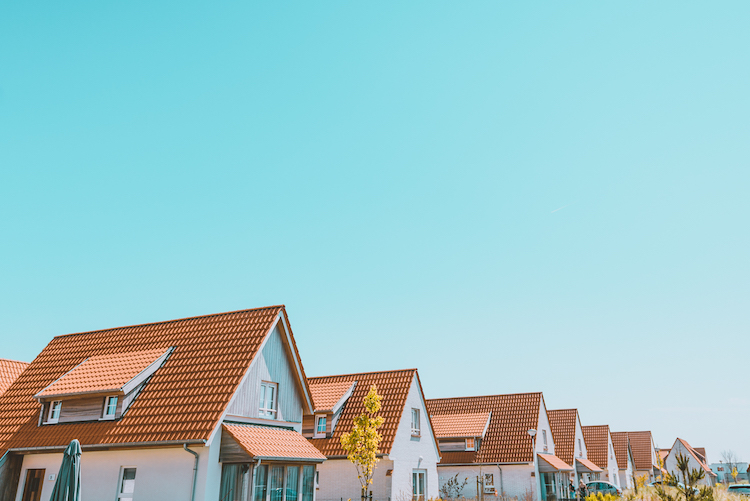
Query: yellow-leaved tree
{"x": 361, "y": 444}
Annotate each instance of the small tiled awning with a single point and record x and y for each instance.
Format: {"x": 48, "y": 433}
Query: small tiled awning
{"x": 460, "y": 425}
{"x": 549, "y": 463}
{"x": 586, "y": 466}
{"x": 273, "y": 444}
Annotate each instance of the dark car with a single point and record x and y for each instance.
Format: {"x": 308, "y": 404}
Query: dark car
{"x": 603, "y": 487}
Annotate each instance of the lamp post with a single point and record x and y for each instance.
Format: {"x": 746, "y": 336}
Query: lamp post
{"x": 532, "y": 434}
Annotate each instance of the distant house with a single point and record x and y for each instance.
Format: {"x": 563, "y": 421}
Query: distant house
{"x": 201, "y": 408}
{"x": 9, "y": 371}
{"x": 644, "y": 454}
{"x": 570, "y": 445}
{"x": 409, "y": 451}
{"x": 696, "y": 460}
{"x": 724, "y": 473}
{"x": 602, "y": 452}
{"x": 486, "y": 441}
{"x": 624, "y": 456}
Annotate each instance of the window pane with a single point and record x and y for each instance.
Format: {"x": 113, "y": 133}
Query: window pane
{"x": 261, "y": 482}
{"x": 276, "y": 483}
{"x": 292, "y": 482}
{"x": 270, "y": 398}
{"x": 232, "y": 477}
{"x": 308, "y": 482}
{"x": 128, "y": 481}
{"x": 414, "y": 484}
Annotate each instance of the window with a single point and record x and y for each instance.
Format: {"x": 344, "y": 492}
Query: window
{"x": 580, "y": 449}
{"x": 292, "y": 483}
{"x": 261, "y": 482}
{"x": 234, "y": 480}
{"x": 127, "y": 483}
{"x": 54, "y": 411}
{"x": 418, "y": 485}
{"x": 469, "y": 444}
{"x": 415, "y": 425}
{"x": 489, "y": 483}
{"x": 110, "y": 407}
{"x": 276, "y": 484}
{"x": 32, "y": 487}
{"x": 308, "y": 482}
{"x": 320, "y": 427}
{"x": 268, "y": 397}
{"x": 544, "y": 439}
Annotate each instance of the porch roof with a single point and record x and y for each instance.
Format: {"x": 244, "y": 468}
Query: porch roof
{"x": 273, "y": 443}
{"x": 550, "y": 463}
{"x": 587, "y": 466}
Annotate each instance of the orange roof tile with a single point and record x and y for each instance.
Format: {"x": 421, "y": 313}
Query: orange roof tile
{"x": 507, "y": 439}
{"x": 588, "y": 464}
{"x": 663, "y": 453}
{"x": 563, "y": 425}
{"x": 555, "y": 462}
{"x": 701, "y": 451}
{"x": 642, "y": 447}
{"x": 327, "y": 394}
{"x": 393, "y": 387}
{"x": 460, "y": 425}
{"x": 102, "y": 373}
{"x": 458, "y": 457}
{"x": 9, "y": 371}
{"x": 211, "y": 356}
{"x": 620, "y": 444}
{"x": 273, "y": 443}
{"x": 597, "y": 444}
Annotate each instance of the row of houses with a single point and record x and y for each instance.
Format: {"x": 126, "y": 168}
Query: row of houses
{"x": 219, "y": 407}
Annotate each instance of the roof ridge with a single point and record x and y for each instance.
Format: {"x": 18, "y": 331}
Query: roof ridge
{"x": 14, "y": 361}
{"x": 283, "y": 307}
{"x": 486, "y": 396}
{"x": 362, "y": 373}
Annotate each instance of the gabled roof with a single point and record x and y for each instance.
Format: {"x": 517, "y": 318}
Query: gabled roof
{"x": 563, "y": 425}
{"x": 642, "y": 445}
{"x": 507, "y": 439}
{"x": 327, "y": 395}
{"x": 597, "y": 444}
{"x": 393, "y": 387}
{"x": 702, "y": 452}
{"x": 461, "y": 425}
{"x": 265, "y": 443}
{"x": 621, "y": 445}
{"x": 9, "y": 371}
{"x": 698, "y": 457}
{"x": 211, "y": 355}
{"x": 102, "y": 373}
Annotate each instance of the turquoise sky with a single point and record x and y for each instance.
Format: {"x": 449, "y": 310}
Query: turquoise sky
{"x": 510, "y": 196}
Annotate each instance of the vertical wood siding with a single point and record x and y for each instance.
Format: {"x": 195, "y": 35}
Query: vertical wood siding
{"x": 272, "y": 364}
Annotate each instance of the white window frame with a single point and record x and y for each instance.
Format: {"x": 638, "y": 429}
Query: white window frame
{"x": 422, "y": 494}
{"x": 580, "y": 448}
{"x": 268, "y": 413}
{"x": 107, "y": 401}
{"x": 473, "y": 445}
{"x": 489, "y": 488}
{"x": 129, "y": 495}
{"x": 416, "y": 424}
{"x": 318, "y": 433}
{"x": 544, "y": 439}
{"x": 55, "y": 419}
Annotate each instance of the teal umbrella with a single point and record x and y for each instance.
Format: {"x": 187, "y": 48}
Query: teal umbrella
{"x": 68, "y": 483}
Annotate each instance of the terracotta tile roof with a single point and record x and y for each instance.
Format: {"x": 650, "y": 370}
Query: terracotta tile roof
{"x": 393, "y": 387}
{"x": 458, "y": 457}
{"x": 563, "y": 425}
{"x": 701, "y": 451}
{"x": 588, "y": 464}
{"x": 555, "y": 462}
{"x": 507, "y": 439}
{"x": 327, "y": 394}
{"x": 663, "y": 453}
{"x": 597, "y": 444}
{"x": 9, "y": 371}
{"x": 211, "y": 356}
{"x": 273, "y": 443}
{"x": 103, "y": 373}
{"x": 460, "y": 425}
{"x": 642, "y": 446}
{"x": 620, "y": 444}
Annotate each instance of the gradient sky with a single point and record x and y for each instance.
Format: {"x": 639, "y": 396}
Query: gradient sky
{"x": 510, "y": 196}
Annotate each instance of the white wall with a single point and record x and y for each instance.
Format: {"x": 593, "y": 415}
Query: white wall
{"x": 626, "y": 475}
{"x": 407, "y": 450}
{"x": 161, "y": 473}
{"x": 544, "y": 426}
{"x": 613, "y": 472}
{"x": 670, "y": 464}
{"x": 510, "y": 480}
{"x": 338, "y": 480}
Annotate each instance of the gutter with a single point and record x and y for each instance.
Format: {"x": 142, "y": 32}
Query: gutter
{"x": 54, "y": 448}
{"x": 195, "y": 470}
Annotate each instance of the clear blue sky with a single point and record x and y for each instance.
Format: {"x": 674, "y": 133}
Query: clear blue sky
{"x": 510, "y": 196}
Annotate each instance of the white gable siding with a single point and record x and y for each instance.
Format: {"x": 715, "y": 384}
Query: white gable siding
{"x": 409, "y": 453}
{"x": 543, "y": 428}
{"x": 670, "y": 464}
{"x": 272, "y": 364}
{"x": 613, "y": 472}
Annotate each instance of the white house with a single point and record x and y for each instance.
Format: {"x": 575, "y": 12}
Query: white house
{"x": 602, "y": 452}
{"x": 407, "y": 466}
{"x": 202, "y": 408}
{"x": 485, "y": 441}
{"x": 696, "y": 460}
{"x": 570, "y": 446}
{"x": 624, "y": 456}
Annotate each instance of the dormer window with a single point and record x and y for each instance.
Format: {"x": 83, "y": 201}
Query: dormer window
{"x": 268, "y": 399}
{"x": 320, "y": 426}
{"x": 54, "y": 411}
{"x": 110, "y": 407}
{"x": 470, "y": 444}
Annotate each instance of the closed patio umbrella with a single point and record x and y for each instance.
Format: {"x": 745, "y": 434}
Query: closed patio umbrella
{"x": 68, "y": 483}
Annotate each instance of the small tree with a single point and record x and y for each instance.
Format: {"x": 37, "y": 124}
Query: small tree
{"x": 730, "y": 462}
{"x": 453, "y": 487}
{"x": 361, "y": 444}
{"x": 686, "y": 488}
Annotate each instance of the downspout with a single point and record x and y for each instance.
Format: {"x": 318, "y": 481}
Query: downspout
{"x": 502, "y": 491}
{"x": 195, "y": 470}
